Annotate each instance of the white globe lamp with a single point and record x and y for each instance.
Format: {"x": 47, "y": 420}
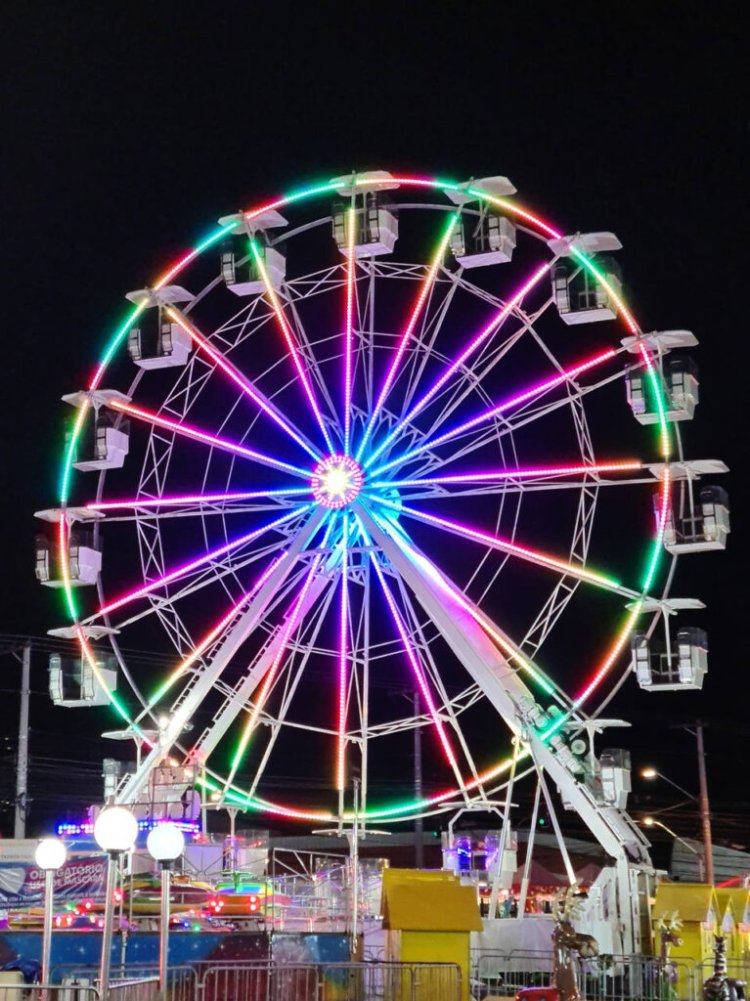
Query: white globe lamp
{"x": 50, "y": 854}
{"x": 115, "y": 830}
{"x": 165, "y": 843}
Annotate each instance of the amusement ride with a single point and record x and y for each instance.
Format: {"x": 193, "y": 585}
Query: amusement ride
{"x": 383, "y": 436}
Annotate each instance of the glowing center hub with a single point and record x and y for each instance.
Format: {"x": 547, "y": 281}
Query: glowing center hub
{"x": 336, "y": 481}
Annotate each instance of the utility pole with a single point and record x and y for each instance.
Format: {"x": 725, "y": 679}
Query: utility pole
{"x": 22, "y": 753}
{"x": 705, "y": 809}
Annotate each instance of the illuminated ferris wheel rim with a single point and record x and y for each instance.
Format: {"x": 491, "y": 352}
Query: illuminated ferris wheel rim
{"x": 330, "y": 491}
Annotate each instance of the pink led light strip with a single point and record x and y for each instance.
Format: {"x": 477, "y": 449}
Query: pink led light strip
{"x": 188, "y": 431}
{"x": 473, "y": 345}
{"x": 290, "y": 626}
{"x": 226, "y": 366}
{"x": 538, "y": 390}
{"x": 491, "y": 475}
{"x": 416, "y": 312}
{"x": 343, "y": 654}
{"x": 505, "y": 645}
{"x": 213, "y": 634}
{"x": 417, "y": 670}
{"x": 525, "y": 552}
{"x": 286, "y": 331}
{"x": 141, "y": 592}
{"x": 188, "y": 499}
{"x": 348, "y": 335}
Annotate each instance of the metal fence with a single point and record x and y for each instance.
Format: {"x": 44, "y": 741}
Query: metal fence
{"x": 257, "y": 981}
{"x": 46, "y": 992}
{"x": 330, "y": 982}
{"x": 604, "y": 978}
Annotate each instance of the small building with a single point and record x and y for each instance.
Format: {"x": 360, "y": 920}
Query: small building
{"x": 428, "y": 916}
{"x": 738, "y": 942}
{"x": 696, "y": 906}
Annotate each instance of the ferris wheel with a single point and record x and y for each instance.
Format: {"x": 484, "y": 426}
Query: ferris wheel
{"x": 363, "y": 463}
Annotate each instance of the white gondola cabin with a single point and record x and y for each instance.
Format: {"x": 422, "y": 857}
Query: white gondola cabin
{"x": 582, "y": 298}
{"x": 73, "y": 682}
{"x": 680, "y": 669}
{"x": 84, "y": 561}
{"x": 681, "y": 392}
{"x": 705, "y": 529}
{"x": 104, "y": 443}
{"x": 241, "y": 272}
{"x": 490, "y": 239}
{"x": 376, "y": 226}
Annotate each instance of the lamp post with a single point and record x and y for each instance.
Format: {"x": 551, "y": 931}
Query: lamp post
{"x": 50, "y": 855}
{"x": 651, "y": 773}
{"x": 165, "y": 844}
{"x": 115, "y": 831}
{"x": 702, "y": 800}
{"x": 653, "y": 822}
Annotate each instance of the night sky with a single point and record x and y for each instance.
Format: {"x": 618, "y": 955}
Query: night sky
{"x": 128, "y": 129}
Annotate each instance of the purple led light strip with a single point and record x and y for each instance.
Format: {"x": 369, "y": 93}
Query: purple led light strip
{"x": 288, "y": 335}
{"x": 487, "y": 415}
{"x": 424, "y": 291}
{"x": 490, "y": 475}
{"x": 187, "y": 499}
{"x": 497, "y": 542}
{"x": 475, "y": 343}
{"x": 416, "y": 667}
{"x": 291, "y": 624}
{"x": 200, "y": 561}
{"x": 188, "y": 431}
{"x": 348, "y": 334}
{"x": 239, "y": 379}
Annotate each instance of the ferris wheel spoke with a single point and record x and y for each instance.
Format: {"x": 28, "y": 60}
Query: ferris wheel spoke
{"x": 390, "y": 534}
{"x": 405, "y": 337}
{"x": 480, "y": 420}
{"x": 196, "y": 500}
{"x": 343, "y": 669}
{"x": 210, "y": 574}
{"x": 417, "y": 670}
{"x": 201, "y": 561}
{"x": 211, "y": 637}
{"x": 519, "y": 473}
{"x": 202, "y": 681}
{"x": 290, "y": 341}
{"x": 280, "y": 719}
{"x": 238, "y": 696}
{"x": 471, "y": 379}
{"x": 197, "y": 434}
{"x": 241, "y": 380}
{"x": 268, "y": 672}
{"x": 477, "y": 341}
{"x": 431, "y": 329}
{"x": 525, "y": 553}
{"x": 449, "y": 705}
{"x": 351, "y": 272}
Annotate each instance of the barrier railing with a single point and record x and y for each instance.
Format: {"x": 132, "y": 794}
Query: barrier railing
{"x": 46, "y": 992}
{"x": 258, "y": 981}
{"x": 316, "y": 982}
{"x": 604, "y": 978}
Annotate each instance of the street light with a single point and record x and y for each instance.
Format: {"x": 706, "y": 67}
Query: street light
{"x": 50, "y": 855}
{"x": 649, "y": 772}
{"x": 165, "y": 844}
{"x": 653, "y": 822}
{"x": 115, "y": 831}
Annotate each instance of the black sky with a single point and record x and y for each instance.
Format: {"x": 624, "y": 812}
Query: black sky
{"x": 128, "y": 128}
